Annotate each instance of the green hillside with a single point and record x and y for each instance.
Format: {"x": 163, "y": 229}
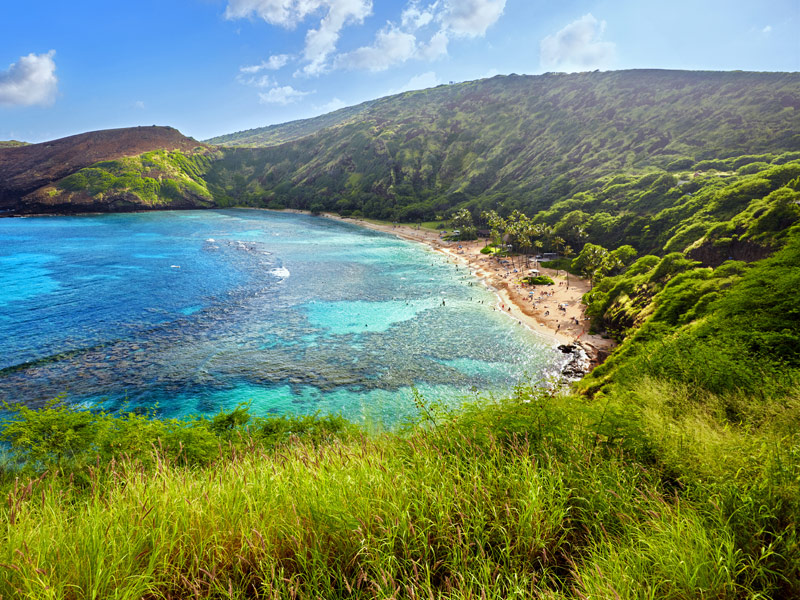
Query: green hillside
{"x": 741, "y": 211}
{"x": 273, "y": 135}
{"x": 518, "y": 141}
{"x": 154, "y": 180}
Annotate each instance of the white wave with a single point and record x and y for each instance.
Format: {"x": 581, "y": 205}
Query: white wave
{"x": 280, "y": 272}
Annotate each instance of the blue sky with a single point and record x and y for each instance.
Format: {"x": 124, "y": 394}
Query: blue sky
{"x": 210, "y": 67}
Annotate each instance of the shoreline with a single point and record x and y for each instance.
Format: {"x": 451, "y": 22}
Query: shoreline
{"x": 555, "y": 312}
{"x": 539, "y": 308}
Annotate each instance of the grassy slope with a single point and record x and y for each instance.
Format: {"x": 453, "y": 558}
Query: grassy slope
{"x": 741, "y": 210}
{"x": 156, "y": 178}
{"x": 522, "y": 141}
{"x": 535, "y": 496}
{"x": 273, "y": 135}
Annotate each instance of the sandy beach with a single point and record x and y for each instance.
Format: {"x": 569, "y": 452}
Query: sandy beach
{"x": 555, "y": 311}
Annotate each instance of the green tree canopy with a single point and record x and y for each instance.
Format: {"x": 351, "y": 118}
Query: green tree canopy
{"x": 590, "y": 261}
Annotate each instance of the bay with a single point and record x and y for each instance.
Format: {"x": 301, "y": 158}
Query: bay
{"x": 191, "y": 312}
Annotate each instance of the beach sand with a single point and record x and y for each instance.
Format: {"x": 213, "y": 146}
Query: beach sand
{"x": 554, "y": 311}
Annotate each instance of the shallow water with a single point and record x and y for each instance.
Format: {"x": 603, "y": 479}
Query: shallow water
{"x": 190, "y": 312}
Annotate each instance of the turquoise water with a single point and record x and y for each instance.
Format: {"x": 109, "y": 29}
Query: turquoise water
{"x": 190, "y": 312}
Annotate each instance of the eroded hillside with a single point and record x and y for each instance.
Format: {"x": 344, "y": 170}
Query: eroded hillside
{"x": 31, "y": 175}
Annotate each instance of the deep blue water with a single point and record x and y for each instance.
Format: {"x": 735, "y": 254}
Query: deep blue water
{"x": 195, "y": 311}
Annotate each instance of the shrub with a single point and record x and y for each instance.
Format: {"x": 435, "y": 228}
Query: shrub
{"x": 680, "y": 164}
{"x": 751, "y": 168}
{"x": 538, "y": 280}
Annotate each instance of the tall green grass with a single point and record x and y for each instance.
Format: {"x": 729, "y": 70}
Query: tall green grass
{"x": 536, "y": 496}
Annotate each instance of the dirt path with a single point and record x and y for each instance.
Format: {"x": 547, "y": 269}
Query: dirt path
{"x": 555, "y": 311}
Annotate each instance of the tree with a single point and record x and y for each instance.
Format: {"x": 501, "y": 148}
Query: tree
{"x": 497, "y": 224}
{"x": 571, "y": 225}
{"x": 558, "y": 243}
{"x": 567, "y": 253}
{"x": 527, "y": 231}
{"x": 590, "y": 261}
{"x": 462, "y": 220}
{"x": 515, "y": 230}
{"x": 525, "y": 244}
{"x": 618, "y": 259}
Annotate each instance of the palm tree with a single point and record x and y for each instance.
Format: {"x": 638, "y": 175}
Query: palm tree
{"x": 567, "y": 253}
{"x": 525, "y": 244}
{"x": 496, "y": 223}
{"x": 547, "y": 234}
{"x": 538, "y": 244}
{"x": 557, "y": 243}
{"x": 516, "y": 231}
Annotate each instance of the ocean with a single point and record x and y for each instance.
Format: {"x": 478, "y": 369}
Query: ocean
{"x": 191, "y": 312}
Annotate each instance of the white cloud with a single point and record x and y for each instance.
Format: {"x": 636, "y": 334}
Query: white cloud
{"x": 334, "y": 104}
{"x": 418, "y": 82}
{"x": 422, "y": 31}
{"x": 320, "y": 42}
{"x": 391, "y": 47}
{"x": 31, "y": 80}
{"x": 578, "y": 46}
{"x": 414, "y": 17}
{"x": 767, "y": 30}
{"x": 286, "y": 13}
{"x": 282, "y": 95}
{"x": 273, "y": 63}
{"x": 260, "y": 81}
{"x": 138, "y": 105}
{"x": 472, "y": 18}
{"x": 436, "y": 47}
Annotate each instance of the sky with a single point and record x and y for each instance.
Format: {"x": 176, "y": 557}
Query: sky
{"x": 210, "y": 67}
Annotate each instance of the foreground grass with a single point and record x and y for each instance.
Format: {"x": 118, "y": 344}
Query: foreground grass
{"x": 537, "y": 496}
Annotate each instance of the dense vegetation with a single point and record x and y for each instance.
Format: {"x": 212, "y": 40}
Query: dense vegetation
{"x": 155, "y": 178}
{"x": 733, "y": 330}
{"x": 517, "y": 142}
{"x": 740, "y": 208}
{"x": 293, "y": 130}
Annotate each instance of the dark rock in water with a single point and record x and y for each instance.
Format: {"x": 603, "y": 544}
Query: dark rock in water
{"x": 579, "y": 363}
